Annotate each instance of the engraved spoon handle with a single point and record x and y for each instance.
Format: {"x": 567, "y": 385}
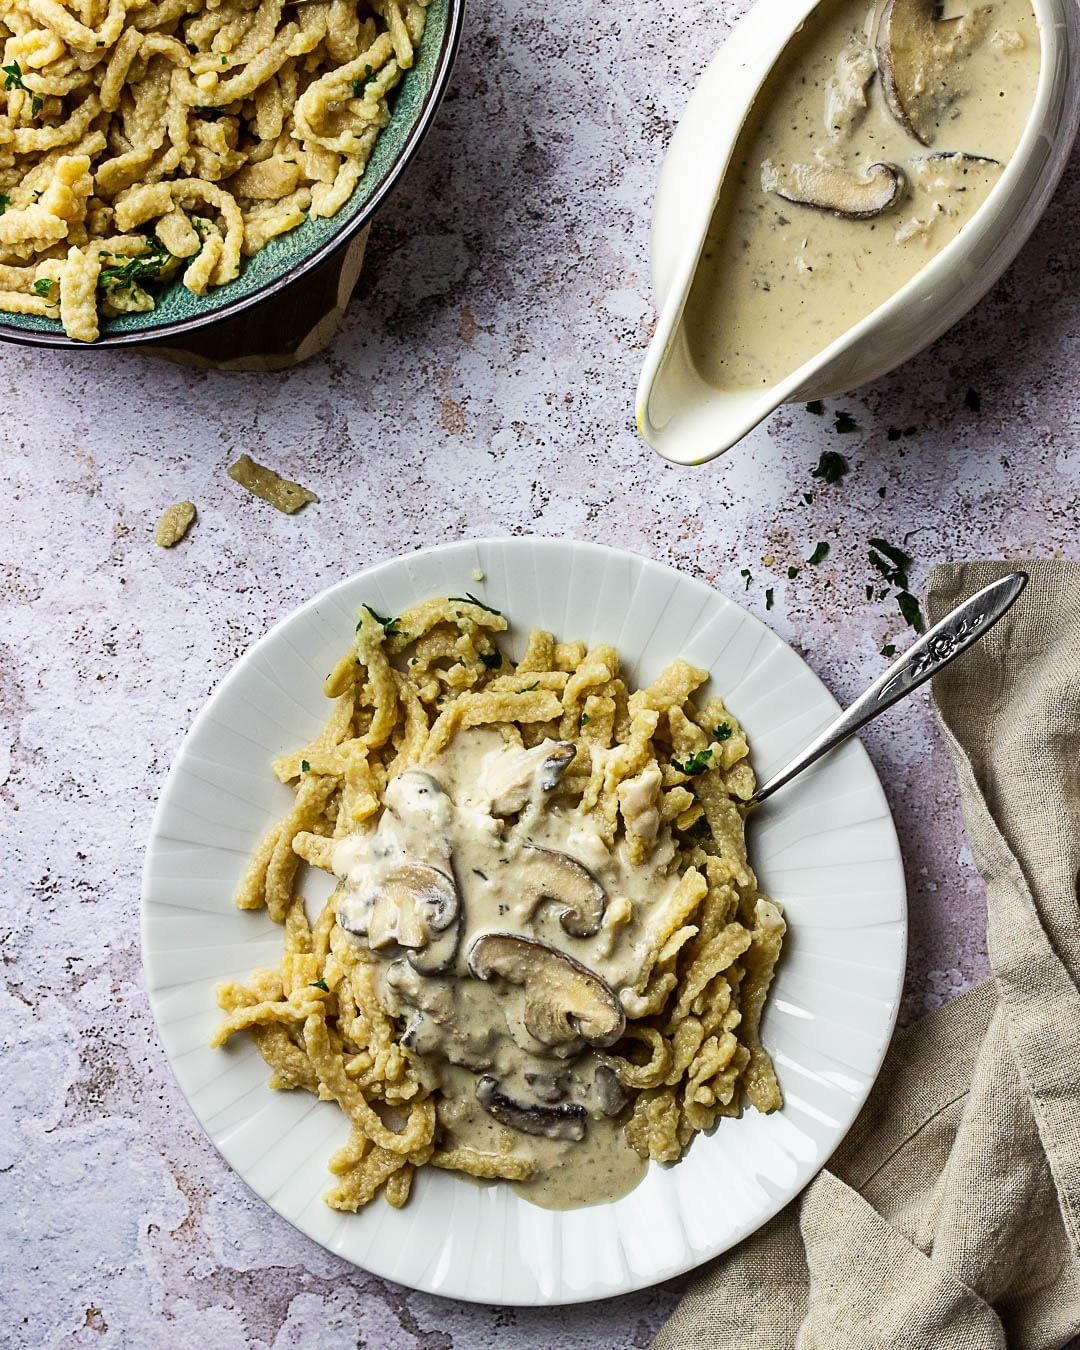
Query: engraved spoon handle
{"x": 947, "y": 639}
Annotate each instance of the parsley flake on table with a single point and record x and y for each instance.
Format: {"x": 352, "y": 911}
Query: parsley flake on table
{"x": 770, "y": 597}
{"x": 745, "y": 573}
{"x": 831, "y": 467}
{"x": 819, "y": 554}
{"x": 792, "y": 572}
{"x": 697, "y": 763}
{"x": 888, "y": 649}
{"x": 845, "y": 423}
{"x": 892, "y": 562}
{"x": 816, "y": 407}
{"x": 911, "y": 610}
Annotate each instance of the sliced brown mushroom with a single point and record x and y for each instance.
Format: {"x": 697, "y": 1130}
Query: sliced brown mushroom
{"x": 417, "y": 906}
{"x": 523, "y": 776}
{"x": 827, "y": 187}
{"x": 611, "y": 1095}
{"x": 564, "y": 1000}
{"x": 917, "y": 52}
{"x": 953, "y": 171}
{"x": 556, "y": 877}
{"x": 565, "y": 1121}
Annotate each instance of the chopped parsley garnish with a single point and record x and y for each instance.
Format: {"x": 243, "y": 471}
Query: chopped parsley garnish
{"x": 816, "y": 407}
{"x": 808, "y": 498}
{"x": 820, "y": 553}
{"x": 358, "y": 86}
{"x": 792, "y": 573}
{"x": 5, "y": 202}
{"x": 973, "y": 401}
{"x": 305, "y": 766}
{"x": 891, "y": 562}
{"x": 697, "y": 763}
{"x": 845, "y": 423}
{"x": 584, "y": 718}
{"x": 722, "y": 732}
{"x": 44, "y": 286}
{"x": 13, "y": 80}
{"x": 888, "y": 649}
{"x": 831, "y": 467}
{"x": 529, "y": 688}
{"x": 769, "y": 597}
{"x": 745, "y": 573}
{"x": 493, "y": 660}
{"x": 469, "y": 599}
{"x": 132, "y": 271}
{"x": 321, "y": 984}
{"x": 389, "y": 626}
{"x": 910, "y": 609}
{"x": 893, "y": 434}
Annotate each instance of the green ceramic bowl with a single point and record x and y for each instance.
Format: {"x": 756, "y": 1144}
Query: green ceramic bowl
{"x": 290, "y": 256}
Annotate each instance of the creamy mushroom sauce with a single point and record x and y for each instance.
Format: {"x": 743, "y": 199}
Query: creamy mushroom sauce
{"x": 484, "y": 813}
{"x": 779, "y": 281}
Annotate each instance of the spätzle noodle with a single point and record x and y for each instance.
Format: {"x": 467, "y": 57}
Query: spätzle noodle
{"x": 142, "y": 142}
{"x": 648, "y": 764}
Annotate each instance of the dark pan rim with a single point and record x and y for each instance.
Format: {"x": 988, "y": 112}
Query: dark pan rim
{"x": 158, "y": 332}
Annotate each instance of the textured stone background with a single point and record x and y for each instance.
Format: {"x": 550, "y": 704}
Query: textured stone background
{"x": 483, "y": 385}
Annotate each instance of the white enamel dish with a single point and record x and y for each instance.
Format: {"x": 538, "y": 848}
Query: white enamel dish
{"x": 825, "y": 848}
{"x": 689, "y": 421}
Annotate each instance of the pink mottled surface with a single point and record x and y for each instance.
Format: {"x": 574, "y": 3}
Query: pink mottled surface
{"x": 483, "y": 386}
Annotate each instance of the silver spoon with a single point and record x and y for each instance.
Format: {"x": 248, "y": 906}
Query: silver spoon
{"x": 953, "y": 634}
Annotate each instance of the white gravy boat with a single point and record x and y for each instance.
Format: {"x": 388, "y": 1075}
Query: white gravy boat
{"x": 688, "y": 420}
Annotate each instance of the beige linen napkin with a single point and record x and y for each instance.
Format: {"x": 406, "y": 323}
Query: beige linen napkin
{"x": 950, "y": 1216}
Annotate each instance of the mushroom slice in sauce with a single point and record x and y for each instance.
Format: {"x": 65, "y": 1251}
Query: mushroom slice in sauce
{"x": 529, "y": 774}
{"x": 827, "y": 187}
{"x": 555, "y": 876}
{"x": 916, "y": 52}
{"x": 417, "y": 907}
{"x": 565, "y": 1121}
{"x": 611, "y": 1095}
{"x": 953, "y": 171}
{"x": 564, "y": 1000}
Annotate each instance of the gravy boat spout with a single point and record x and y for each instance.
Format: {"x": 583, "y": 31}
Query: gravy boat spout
{"x": 688, "y": 420}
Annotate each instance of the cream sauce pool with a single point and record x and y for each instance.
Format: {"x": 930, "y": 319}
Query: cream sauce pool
{"x": 523, "y": 866}
{"x": 778, "y": 281}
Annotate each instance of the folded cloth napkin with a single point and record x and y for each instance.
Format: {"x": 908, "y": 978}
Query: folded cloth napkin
{"x": 950, "y": 1216}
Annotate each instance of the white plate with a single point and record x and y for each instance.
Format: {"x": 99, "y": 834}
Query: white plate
{"x": 825, "y": 848}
